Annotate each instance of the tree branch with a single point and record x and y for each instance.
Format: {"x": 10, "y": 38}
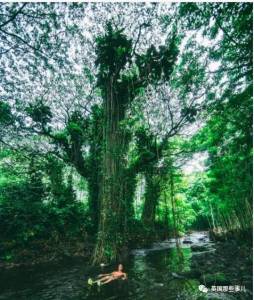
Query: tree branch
{"x": 13, "y": 16}
{"x": 139, "y": 34}
{"x": 24, "y": 42}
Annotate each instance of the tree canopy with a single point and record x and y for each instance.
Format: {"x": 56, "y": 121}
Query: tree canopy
{"x": 102, "y": 105}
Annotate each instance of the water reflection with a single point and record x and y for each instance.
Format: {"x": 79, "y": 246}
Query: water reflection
{"x": 154, "y": 275}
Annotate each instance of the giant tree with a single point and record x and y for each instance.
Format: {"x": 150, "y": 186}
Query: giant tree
{"x": 121, "y": 75}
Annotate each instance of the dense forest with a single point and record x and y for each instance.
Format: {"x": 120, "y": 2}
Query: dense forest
{"x": 121, "y": 125}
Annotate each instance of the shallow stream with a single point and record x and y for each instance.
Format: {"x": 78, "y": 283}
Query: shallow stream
{"x": 153, "y": 274}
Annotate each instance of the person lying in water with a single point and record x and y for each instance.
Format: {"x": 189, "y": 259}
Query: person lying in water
{"x": 106, "y": 278}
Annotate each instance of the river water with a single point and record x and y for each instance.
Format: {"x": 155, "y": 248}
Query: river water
{"x": 153, "y": 274}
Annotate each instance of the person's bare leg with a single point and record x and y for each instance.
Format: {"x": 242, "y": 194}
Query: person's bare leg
{"x": 109, "y": 280}
{"x": 102, "y": 275}
{"x": 104, "y": 278}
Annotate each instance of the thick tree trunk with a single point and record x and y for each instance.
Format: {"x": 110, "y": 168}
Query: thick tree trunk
{"x": 166, "y": 216}
{"x": 129, "y": 186}
{"x": 152, "y": 194}
{"x": 94, "y": 181}
{"x": 173, "y": 206}
{"x": 94, "y": 162}
{"x": 111, "y": 237}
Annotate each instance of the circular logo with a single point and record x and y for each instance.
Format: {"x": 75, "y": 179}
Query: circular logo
{"x": 203, "y": 288}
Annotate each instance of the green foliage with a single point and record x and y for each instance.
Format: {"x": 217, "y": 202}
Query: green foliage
{"x": 77, "y": 125}
{"x": 146, "y": 150}
{"x": 113, "y": 51}
{"x": 225, "y": 190}
{"x": 61, "y": 137}
{"x": 227, "y": 137}
{"x": 6, "y": 117}
{"x": 155, "y": 64}
{"x": 36, "y": 204}
{"x": 202, "y": 203}
{"x": 22, "y": 199}
{"x": 105, "y": 124}
{"x": 40, "y": 113}
{"x": 234, "y": 21}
